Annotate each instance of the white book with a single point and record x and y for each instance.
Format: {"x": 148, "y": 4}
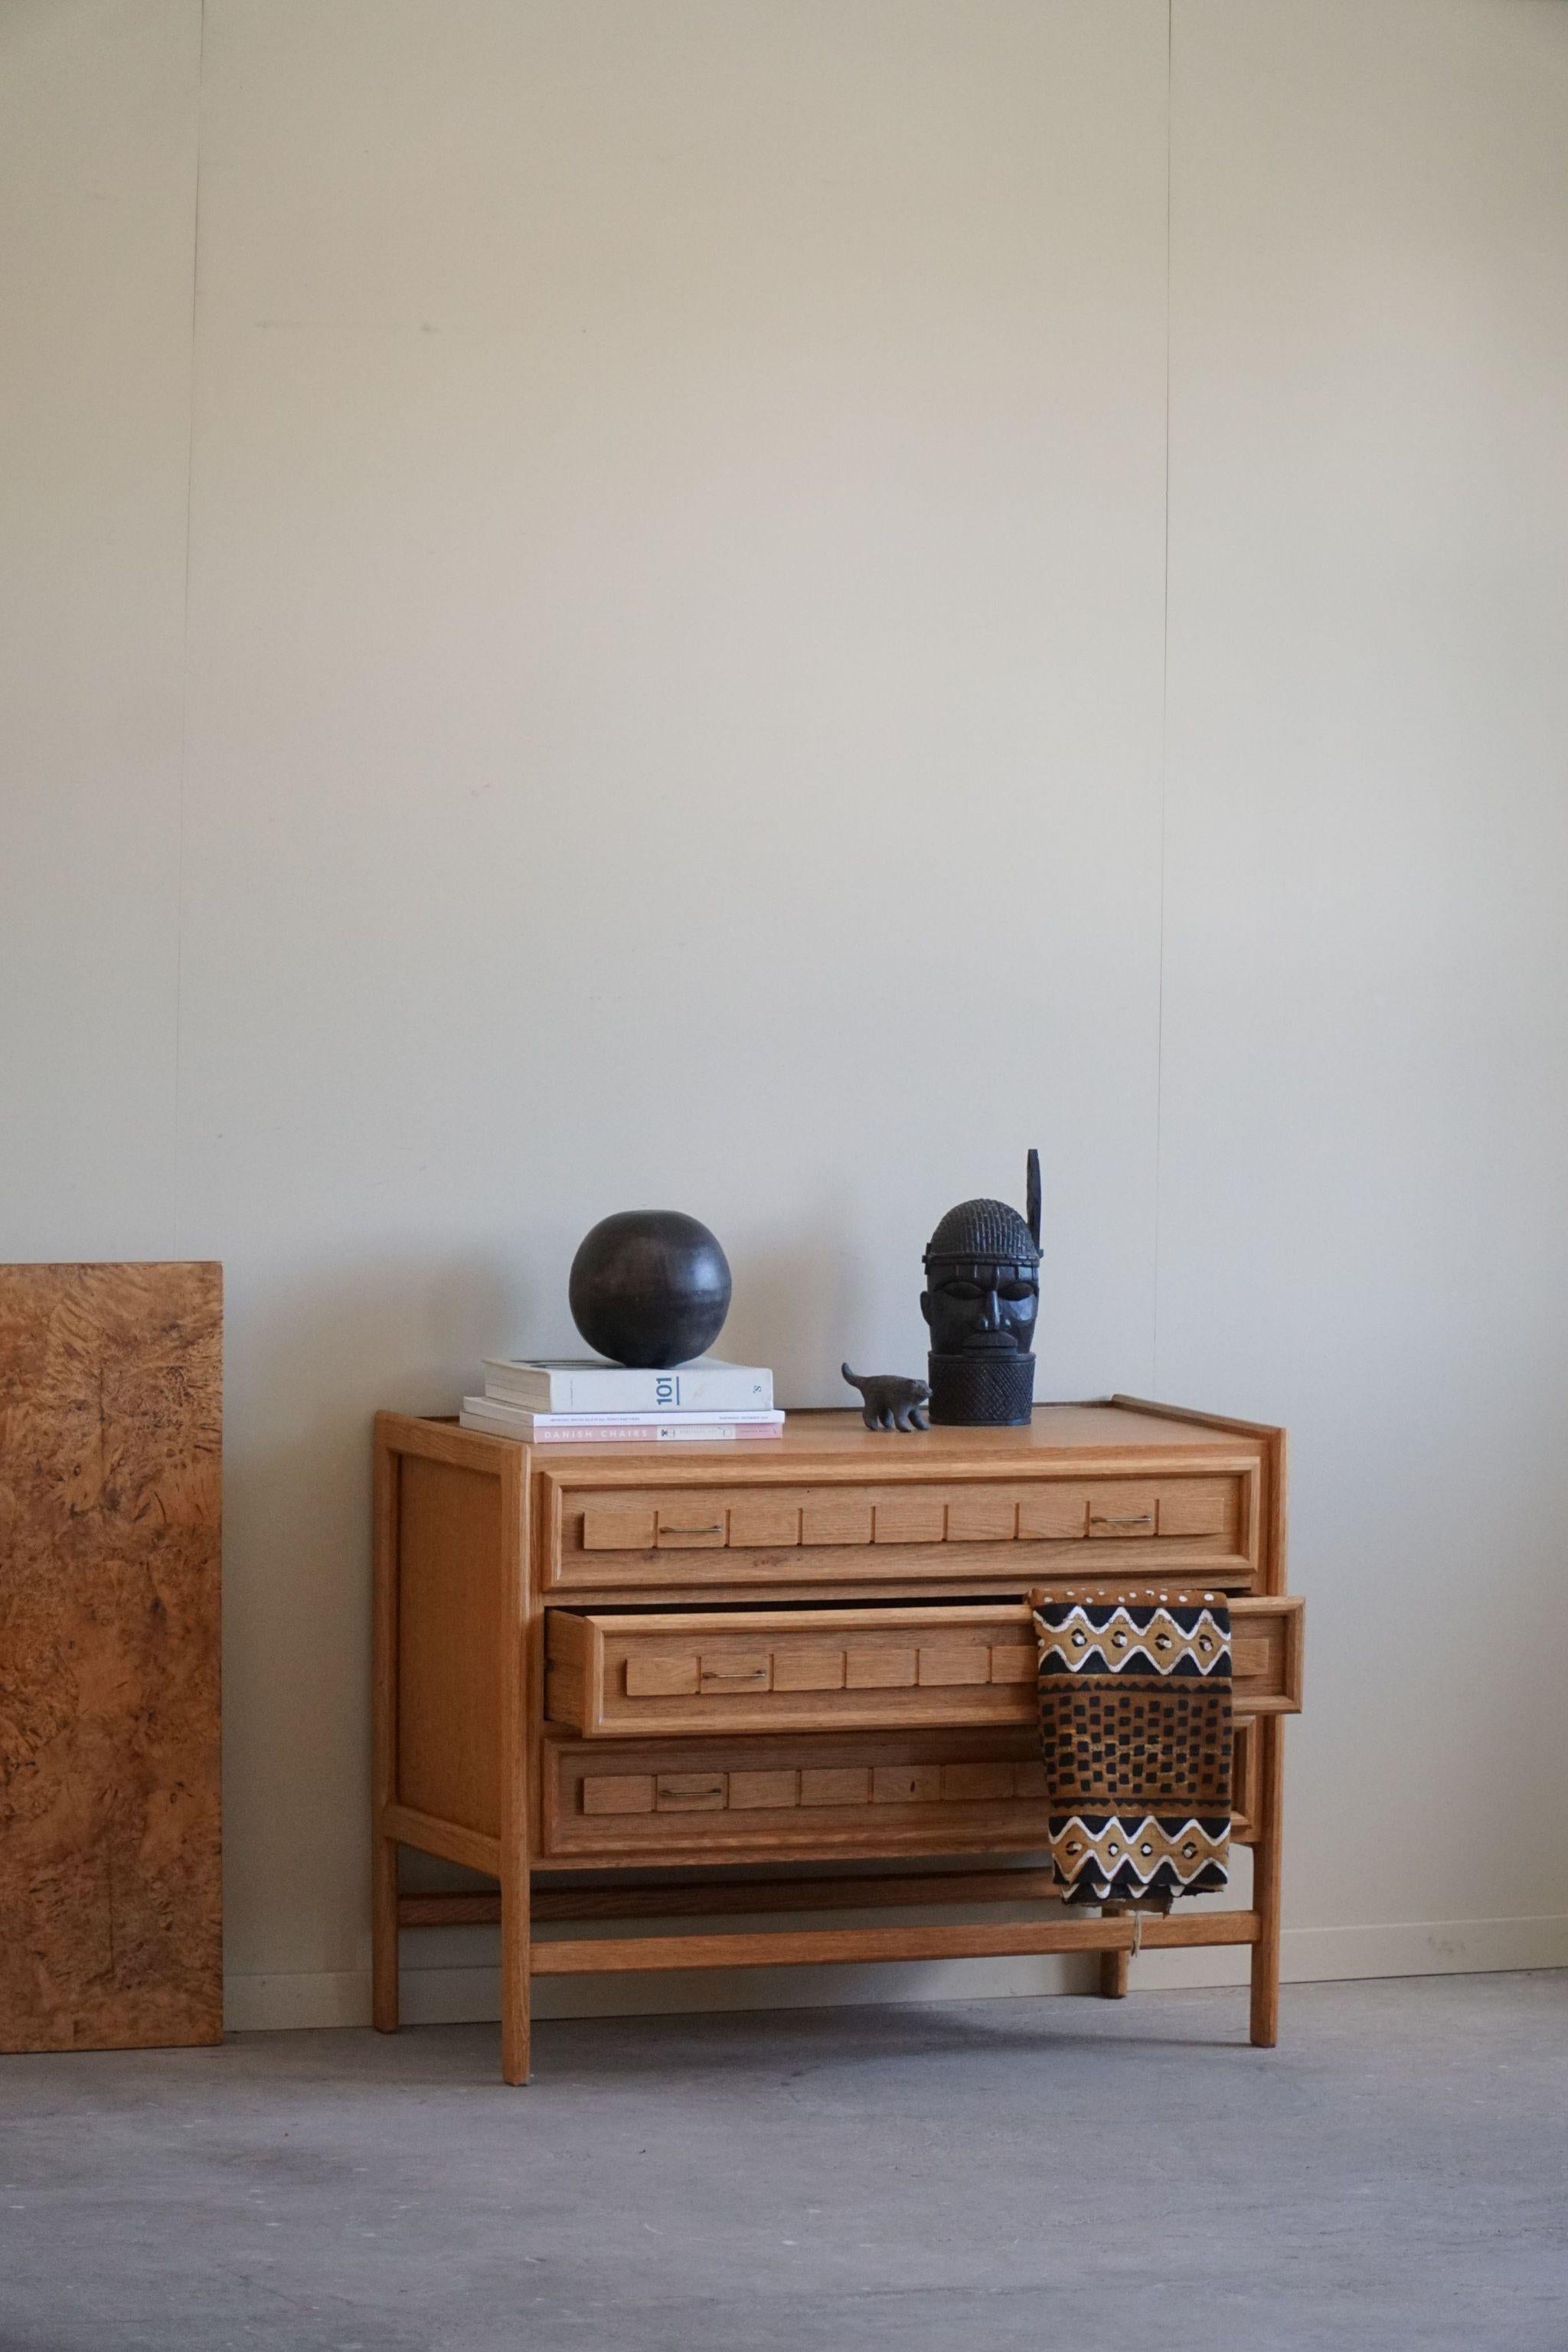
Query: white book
{"x": 525, "y": 1420}
{"x": 588, "y": 1384}
{"x": 695, "y": 1431}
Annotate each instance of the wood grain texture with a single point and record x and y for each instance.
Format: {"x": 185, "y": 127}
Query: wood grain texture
{"x": 1115, "y": 1968}
{"x": 712, "y": 1897}
{"x": 111, "y": 1500}
{"x": 470, "y": 1848}
{"x": 447, "y": 1602}
{"x": 810, "y": 1946}
{"x": 386, "y": 1500}
{"x": 518, "y": 1669}
{"x": 1123, "y": 1427}
{"x": 1268, "y": 1828}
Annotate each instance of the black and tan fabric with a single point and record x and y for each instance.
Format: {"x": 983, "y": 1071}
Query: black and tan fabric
{"x": 1135, "y": 1727}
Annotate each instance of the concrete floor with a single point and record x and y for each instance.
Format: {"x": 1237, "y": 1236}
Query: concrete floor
{"x": 1061, "y": 2173}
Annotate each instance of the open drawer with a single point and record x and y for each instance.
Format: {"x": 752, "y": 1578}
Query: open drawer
{"x": 622, "y": 1674}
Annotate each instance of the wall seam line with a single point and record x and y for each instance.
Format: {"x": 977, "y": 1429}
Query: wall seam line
{"x": 1164, "y": 739}
{"x": 186, "y": 631}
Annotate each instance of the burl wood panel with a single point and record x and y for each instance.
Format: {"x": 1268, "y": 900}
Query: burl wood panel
{"x": 110, "y": 1492}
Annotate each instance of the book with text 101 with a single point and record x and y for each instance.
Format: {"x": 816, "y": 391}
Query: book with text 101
{"x": 584, "y": 1385}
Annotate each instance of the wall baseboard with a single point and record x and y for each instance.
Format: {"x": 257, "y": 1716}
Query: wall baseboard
{"x": 462, "y": 1992}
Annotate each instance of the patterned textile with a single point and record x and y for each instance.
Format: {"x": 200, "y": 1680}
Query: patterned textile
{"x": 1135, "y": 1727}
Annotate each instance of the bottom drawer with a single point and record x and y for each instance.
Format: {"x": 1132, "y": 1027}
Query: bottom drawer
{"x": 761, "y": 1800}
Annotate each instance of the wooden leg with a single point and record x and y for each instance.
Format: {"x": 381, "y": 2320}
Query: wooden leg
{"x": 383, "y": 1740}
{"x": 383, "y": 1934}
{"x": 521, "y": 1663}
{"x": 1114, "y": 1967}
{"x": 515, "y": 2025}
{"x": 1266, "y": 1884}
{"x": 519, "y": 1666}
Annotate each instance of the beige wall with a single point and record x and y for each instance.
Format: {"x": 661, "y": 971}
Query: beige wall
{"x": 1363, "y": 1148}
{"x": 615, "y": 602}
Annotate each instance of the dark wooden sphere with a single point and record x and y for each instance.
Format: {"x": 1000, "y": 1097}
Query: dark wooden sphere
{"x": 649, "y": 1286}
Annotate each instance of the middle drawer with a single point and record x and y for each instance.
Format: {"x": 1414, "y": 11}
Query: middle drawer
{"x": 615, "y": 1673}
{"x": 624, "y": 1673}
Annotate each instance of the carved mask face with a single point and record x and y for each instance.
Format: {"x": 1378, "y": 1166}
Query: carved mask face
{"x": 981, "y": 1306}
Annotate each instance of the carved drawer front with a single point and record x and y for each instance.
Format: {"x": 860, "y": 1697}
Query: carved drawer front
{"x": 1268, "y": 1644}
{"x": 1196, "y": 1522}
{"x": 617, "y": 1675}
{"x": 718, "y": 1800}
{"x": 611, "y": 1673}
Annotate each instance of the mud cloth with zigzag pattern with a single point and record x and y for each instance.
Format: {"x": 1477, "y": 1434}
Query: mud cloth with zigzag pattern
{"x": 1135, "y": 1729}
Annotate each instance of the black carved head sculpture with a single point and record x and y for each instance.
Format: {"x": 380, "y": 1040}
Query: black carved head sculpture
{"x": 982, "y": 1296}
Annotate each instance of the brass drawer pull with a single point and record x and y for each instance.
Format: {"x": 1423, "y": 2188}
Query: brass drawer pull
{"x": 1128, "y": 1519}
{"x": 664, "y": 1530}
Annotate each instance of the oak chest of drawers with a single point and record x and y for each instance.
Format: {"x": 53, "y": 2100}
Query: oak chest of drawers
{"x": 705, "y": 1659}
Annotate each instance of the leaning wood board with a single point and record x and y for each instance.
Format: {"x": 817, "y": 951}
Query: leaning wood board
{"x": 110, "y": 1417}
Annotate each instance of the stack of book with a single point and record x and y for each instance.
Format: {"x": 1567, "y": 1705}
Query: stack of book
{"x": 586, "y": 1401}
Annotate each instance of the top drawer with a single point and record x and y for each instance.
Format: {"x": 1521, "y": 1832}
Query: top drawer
{"x": 1203, "y": 1519}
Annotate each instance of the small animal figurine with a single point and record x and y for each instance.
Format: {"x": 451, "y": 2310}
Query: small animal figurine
{"x": 890, "y": 1401}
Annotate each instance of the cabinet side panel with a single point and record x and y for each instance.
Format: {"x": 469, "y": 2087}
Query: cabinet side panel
{"x": 111, "y": 1474}
{"x": 450, "y": 1634}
